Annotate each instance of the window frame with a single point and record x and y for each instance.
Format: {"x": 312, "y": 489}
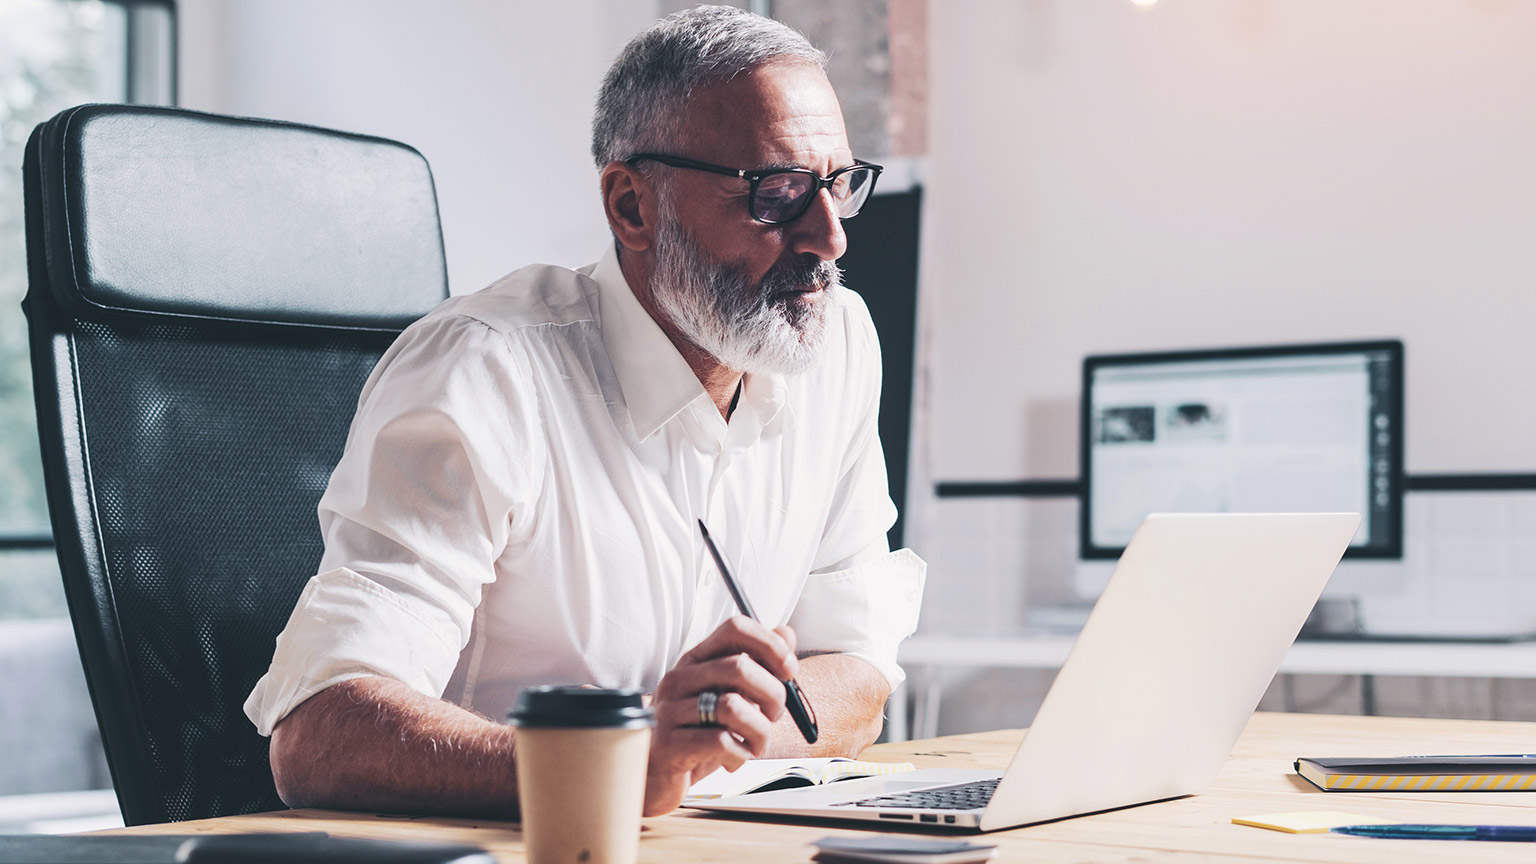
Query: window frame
{"x": 150, "y": 78}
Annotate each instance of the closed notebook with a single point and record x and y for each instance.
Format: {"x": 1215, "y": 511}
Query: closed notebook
{"x": 1422, "y": 774}
{"x": 766, "y": 775}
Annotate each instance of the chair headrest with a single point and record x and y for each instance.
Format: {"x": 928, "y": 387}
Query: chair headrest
{"x": 173, "y": 212}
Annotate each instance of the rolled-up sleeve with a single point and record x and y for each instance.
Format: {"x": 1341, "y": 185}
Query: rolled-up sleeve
{"x": 861, "y": 599}
{"x": 332, "y": 636}
{"x": 416, "y": 512}
{"x": 863, "y": 611}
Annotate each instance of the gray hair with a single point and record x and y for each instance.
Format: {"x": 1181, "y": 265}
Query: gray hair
{"x": 641, "y": 102}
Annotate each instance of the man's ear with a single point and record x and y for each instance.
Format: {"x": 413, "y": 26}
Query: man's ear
{"x": 629, "y": 203}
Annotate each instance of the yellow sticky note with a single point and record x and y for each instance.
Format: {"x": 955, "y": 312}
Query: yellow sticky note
{"x": 1309, "y": 821}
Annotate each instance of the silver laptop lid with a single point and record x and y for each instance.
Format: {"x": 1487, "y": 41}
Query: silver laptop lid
{"x": 1174, "y": 658}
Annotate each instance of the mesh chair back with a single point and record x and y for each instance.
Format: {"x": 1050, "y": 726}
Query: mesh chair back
{"x": 207, "y": 296}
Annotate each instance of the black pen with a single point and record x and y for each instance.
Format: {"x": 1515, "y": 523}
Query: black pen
{"x": 792, "y": 698}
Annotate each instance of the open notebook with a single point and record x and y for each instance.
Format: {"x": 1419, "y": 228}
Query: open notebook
{"x": 766, "y": 775}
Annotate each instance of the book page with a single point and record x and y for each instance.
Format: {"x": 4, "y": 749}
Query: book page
{"x": 849, "y": 769}
{"x": 758, "y": 773}
{"x": 761, "y": 775}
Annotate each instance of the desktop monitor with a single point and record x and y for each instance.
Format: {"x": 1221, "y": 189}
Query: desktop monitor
{"x": 1297, "y": 428}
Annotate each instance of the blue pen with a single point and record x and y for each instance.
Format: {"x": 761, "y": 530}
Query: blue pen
{"x": 1513, "y": 833}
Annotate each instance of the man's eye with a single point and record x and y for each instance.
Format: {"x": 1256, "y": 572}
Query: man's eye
{"x": 780, "y": 187}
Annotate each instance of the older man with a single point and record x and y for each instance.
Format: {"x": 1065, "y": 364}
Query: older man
{"x": 517, "y": 500}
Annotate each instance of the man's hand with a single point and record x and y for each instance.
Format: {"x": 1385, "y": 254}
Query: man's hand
{"x": 746, "y": 663}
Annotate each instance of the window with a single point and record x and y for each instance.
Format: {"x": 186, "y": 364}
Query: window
{"x": 53, "y": 54}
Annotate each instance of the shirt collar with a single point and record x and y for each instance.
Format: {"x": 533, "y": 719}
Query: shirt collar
{"x": 767, "y": 396}
{"x": 657, "y": 382}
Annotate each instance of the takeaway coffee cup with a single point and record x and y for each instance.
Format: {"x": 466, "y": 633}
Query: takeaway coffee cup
{"x": 581, "y": 759}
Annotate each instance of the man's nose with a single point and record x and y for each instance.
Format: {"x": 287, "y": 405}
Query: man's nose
{"x": 819, "y": 231}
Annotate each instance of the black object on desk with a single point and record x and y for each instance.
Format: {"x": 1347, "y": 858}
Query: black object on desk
{"x": 323, "y": 849}
{"x": 314, "y": 847}
{"x": 798, "y": 707}
{"x": 89, "y": 849}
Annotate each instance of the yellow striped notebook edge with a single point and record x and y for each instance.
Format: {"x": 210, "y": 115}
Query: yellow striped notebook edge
{"x": 1429, "y": 782}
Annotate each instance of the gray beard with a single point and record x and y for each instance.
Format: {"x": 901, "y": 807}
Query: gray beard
{"x": 766, "y": 328}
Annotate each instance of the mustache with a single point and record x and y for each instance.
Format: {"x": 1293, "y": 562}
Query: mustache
{"x": 811, "y": 274}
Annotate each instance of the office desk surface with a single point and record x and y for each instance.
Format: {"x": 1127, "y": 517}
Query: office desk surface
{"x": 1257, "y": 779}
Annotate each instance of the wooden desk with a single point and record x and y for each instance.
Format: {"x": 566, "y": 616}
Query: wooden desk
{"x": 1257, "y": 779}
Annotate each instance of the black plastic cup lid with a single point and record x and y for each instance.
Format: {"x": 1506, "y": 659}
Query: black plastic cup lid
{"x": 581, "y": 707}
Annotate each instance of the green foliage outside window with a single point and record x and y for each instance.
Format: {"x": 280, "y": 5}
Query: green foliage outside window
{"x": 53, "y": 54}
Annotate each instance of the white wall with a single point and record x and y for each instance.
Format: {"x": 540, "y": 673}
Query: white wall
{"x": 1100, "y": 178}
{"x": 1106, "y": 178}
{"x": 497, "y": 95}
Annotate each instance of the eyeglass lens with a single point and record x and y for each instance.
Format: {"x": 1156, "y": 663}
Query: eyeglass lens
{"x": 785, "y": 195}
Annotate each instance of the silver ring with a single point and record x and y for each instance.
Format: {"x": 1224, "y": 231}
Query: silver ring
{"x": 707, "y": 702}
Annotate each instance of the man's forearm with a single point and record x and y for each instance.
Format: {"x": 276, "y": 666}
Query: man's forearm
{"x": 376, "y": 744}
{"x": 848, "y": 697}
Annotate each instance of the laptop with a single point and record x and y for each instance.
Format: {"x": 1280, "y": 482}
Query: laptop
{"x": 1175, "y": 656}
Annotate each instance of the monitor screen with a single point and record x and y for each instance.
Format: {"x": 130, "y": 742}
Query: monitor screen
{"x": 1302, "y": 428}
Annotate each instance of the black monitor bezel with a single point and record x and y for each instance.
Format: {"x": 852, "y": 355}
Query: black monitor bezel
{"x": 1087, "y": 550}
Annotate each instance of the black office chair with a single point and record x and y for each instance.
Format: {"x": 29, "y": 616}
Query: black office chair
{"x": 207, "y": 296}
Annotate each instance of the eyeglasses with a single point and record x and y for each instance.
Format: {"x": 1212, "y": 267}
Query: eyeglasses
{"x": 782, "y": 195}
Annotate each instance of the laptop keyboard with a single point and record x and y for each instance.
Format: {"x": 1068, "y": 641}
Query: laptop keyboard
{"x": 966, "y": 796}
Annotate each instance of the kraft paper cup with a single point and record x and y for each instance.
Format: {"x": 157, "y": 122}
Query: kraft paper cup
{"x": 581, "y": 765}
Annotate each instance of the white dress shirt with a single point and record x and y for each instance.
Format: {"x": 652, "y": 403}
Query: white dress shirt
{"x": 516, "y": 504}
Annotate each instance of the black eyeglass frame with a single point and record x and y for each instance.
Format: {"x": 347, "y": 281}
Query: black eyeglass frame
{"x": 757, "y": 177}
